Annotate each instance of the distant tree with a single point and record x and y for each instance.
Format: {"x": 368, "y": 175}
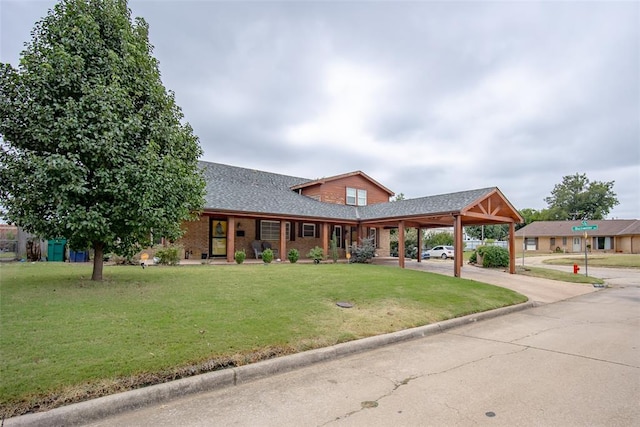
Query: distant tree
{"x": 92, "y": 145}
{"x": 577, "y": 198}
{"x": 435, "y": 238}
{"x": 493, "y": 231}
{"x": 532, "y": 215}
{"x": 410, "y": 241}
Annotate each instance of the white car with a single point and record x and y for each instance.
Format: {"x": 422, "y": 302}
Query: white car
{"x": 443, "y": 252}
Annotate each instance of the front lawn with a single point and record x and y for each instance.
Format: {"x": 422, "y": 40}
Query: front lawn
{"x": 65, "y": 338}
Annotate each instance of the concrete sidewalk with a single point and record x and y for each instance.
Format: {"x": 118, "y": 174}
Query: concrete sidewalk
{"x": 539, "y": 291}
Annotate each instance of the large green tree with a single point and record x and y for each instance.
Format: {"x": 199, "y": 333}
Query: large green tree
{"x": 93, "y": 147}
{"x": 578, "y": 198}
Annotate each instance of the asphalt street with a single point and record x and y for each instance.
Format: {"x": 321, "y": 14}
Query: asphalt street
{"x": 572, "y": 360}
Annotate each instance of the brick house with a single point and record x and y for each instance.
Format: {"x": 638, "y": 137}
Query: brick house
{"x": 612, "y": 235}
{"x": 246, "y": 205}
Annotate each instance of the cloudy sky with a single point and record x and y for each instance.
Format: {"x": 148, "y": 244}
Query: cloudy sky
{"x": 425, "y": 97}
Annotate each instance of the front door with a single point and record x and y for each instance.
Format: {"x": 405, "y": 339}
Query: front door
{"x": 577, "y": 244}
{"x": 218, "y": 241}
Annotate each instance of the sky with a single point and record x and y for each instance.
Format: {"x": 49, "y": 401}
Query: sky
{"x": 425, "y": 97}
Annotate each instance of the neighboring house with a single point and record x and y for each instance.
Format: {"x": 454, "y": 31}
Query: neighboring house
{"x": 612, "y": 235}
{"x": 246, "y": 205}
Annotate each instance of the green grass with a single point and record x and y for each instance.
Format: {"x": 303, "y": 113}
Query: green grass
{"x": 547, "y": 273}
{"x": 599, "y": 260}
{"x": 65, "y": 338}
{"x": 7, "y": 256}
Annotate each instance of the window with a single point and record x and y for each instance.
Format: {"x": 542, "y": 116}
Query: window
{"x": 373, "y": 235}
{"x": 531, "y": 244}
{"x": 362, "y": 197}
{"x": 564, "y": 241}
{"x": 552, "y": 243}
{"x": 308, "y": 230}
{"x": 270, "y": 230}
{"x": 356, "y": 197}
{"x": 603, "y": 243}
{"x": 351, "y": 196}
{"x": 337, "y": 230}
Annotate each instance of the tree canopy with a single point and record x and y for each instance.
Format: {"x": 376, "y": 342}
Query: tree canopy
{"x": 578, "y": 198}
{"x": 93, "y": 147}
{"x": 493, "y": 231}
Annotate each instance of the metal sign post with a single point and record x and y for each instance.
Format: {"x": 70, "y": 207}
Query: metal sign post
{"x": 584, "y": 227}
{"x": 586, "y": 269}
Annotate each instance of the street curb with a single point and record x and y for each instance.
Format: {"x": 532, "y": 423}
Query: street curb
{"x": 93, "y": 410}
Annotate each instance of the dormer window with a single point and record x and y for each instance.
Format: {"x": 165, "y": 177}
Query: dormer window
{"x": 356, "y": 197}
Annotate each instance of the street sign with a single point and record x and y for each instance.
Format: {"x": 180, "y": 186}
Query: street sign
{"x": 584, "y": 227}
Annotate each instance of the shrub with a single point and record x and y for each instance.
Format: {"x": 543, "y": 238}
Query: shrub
{"x": 494, "y": 256}
{"x": 168, "y": 255}
{"x": 364, "y": 252}
{"x": 240, "y": 256}
{"x": 293, "y": 256}
{"x": 473, "y": 258}
{"x": 316, "y": 254}
{"x": 334, "y": 248}
{"x": 267, "y": 256}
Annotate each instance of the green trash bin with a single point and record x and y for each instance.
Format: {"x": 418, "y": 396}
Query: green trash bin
{"x": 55, "y": 250}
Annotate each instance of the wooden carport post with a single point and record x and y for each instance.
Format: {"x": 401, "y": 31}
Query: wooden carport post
{"x": 401, "y": 244}
{"x": 283, "y": 239}
{"x": 419, "y": 256}
{"x": 325, "y": 238}
{"x": 512, "y": 248}
{"x": 457, "y": 246}
{"x": 231, "y": 240}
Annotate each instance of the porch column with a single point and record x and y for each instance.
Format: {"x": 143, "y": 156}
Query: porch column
{"x": 419, "y": 256}
{"x": 283, "y": 240}
{"x": 512, "y": 248}
{"x": 231, "y": 238}
{"x": 457, "y": 238}
{"x": 401, "y": 244}
{"x": 325, "y": 238}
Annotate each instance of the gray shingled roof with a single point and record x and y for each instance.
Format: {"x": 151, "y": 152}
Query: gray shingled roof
{"x": 231, "y": 188}
{"x": 443, "y": 203}
{"x": 609, "y": 227}
{"x": 236, "y": 189}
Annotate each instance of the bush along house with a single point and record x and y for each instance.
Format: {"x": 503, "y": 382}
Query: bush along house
{"x": 249, "y": 210}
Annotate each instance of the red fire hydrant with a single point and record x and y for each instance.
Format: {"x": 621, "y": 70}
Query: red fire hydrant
{"x": 575, "y": 268}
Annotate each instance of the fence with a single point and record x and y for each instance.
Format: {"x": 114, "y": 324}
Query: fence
{"x": 471, "y": 245}
{"x": 8, "y": 250}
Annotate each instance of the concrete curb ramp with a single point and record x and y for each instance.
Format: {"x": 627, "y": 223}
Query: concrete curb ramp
{"x": 96, "y": 409}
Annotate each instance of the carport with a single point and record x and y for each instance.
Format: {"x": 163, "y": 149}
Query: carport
{"x": 486, "y": 206}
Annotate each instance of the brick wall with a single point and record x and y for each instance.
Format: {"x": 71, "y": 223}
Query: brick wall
{"x": 196, "y": 238}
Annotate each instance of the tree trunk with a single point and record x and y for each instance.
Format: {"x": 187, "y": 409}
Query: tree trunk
{"x": 98, "y": 261}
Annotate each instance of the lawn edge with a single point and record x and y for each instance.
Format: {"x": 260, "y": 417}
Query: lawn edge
{"x": 103, "y": 407}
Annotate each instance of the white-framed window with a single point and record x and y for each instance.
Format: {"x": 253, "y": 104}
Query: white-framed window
{"x": 308, "y": 230}
{"x": 356, "y": 197}
{"x": 337, "y": 230}
{"x": 270, "y": 230}
{"x": 373, "y": 232}
{"x": 362, "y": 197}
{"x": 351, "y": 196}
